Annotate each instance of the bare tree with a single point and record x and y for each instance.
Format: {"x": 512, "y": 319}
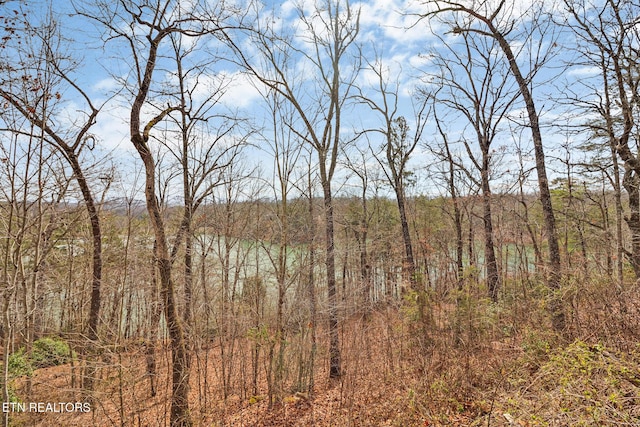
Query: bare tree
{"x": 207, "y": 140}
{"x": 607, "y": 35}
{"x": 145, "y": 27}
{"x": 285, "y": 146}
{"x": 232, "y": 226}
{"x": 452, "y": 168}
{"x": 475, "y": 84}
{"x": 323, "y": 49}
{"x": 361, "y": 221}
{"x": 34, "y": 91}
{"x": 32, "y": 189}
{"x": 499, "y": 22}
{"x": 399, "y": 144}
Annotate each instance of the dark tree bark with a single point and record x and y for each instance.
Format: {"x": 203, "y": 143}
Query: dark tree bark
{"x": 488, "y": 26}
{"x": 71, "y": 150}
{"x": 331, "y": 40}
{"x": 474, "y": 83}
{"x": 179, "y": 355}
{"x": 555, "y": 265}
{"x": 335, "y": 361}
{"x": 311, "y": 285}
{"x": 396, "y": 151}
{"x": 608, "y": 34}
{"x": 491, "y": 264}
{"x": 144, "y": 27}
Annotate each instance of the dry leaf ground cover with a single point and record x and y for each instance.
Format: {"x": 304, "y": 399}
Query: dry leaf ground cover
{"x": 475, "y": 369}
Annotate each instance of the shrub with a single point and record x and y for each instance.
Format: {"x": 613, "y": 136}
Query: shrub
{"x": 46, "y": 352}
{"x": 19, "y": 364}
{"x": 581, "y": 384}
{"x": 50, "y": 352}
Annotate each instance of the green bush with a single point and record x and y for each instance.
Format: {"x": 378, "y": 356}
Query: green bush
{"x": 19, "y": 364}
{"x": 45, "y": 352}
{"x": 580, "y": 384}
{"x": 49, "y": 352}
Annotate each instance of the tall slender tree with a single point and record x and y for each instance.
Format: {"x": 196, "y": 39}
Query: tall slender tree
{"x": 146, "y": 27}
{"x": 398, "y": 146}
{"x": 498, "y": 21}
{"x": 325, "y": 50}
{"x": 475, "y": 84}
{"x": 606, "y": 40}
{"x": 40, "y": 73}
{"x": 205, "y": 139}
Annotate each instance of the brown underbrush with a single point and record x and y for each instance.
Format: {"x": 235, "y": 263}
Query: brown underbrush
{"x": 481, "y": 364}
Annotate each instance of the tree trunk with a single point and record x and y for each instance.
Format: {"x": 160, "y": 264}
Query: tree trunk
{"x": 335, "y": 363}
{"x": 96, "y": 279}
{"x": 631, "y": 183}
{"x": 457, "y": 215}
{"x": 311, "y": 290}
{"x": 409, "y": 266}
{"x": 179, "y": 355}
{"x": 491, "y": 264}
{"x": 188, "y": 275}
{"x": 618, "y": 206}
{"x": 96, "y": 234}
{"x": 555, "y": 266}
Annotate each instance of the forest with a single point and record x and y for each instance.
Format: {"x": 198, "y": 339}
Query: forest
{"x": 320, "y": 212}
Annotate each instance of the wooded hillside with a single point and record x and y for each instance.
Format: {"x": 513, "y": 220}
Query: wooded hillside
{"x": 319, "y": 213}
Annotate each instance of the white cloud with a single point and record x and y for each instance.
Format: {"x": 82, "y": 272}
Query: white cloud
{"x": 585, "y": 71}
{"x": 241, "y": 91}
{"x": 112, "y": 131}
{"x": 106, "y": 85}
{"x": 396, "y": 21}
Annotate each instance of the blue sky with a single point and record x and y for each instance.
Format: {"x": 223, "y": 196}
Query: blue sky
{"x": 389, "y": 33}
{"x": 385, "y": 27}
